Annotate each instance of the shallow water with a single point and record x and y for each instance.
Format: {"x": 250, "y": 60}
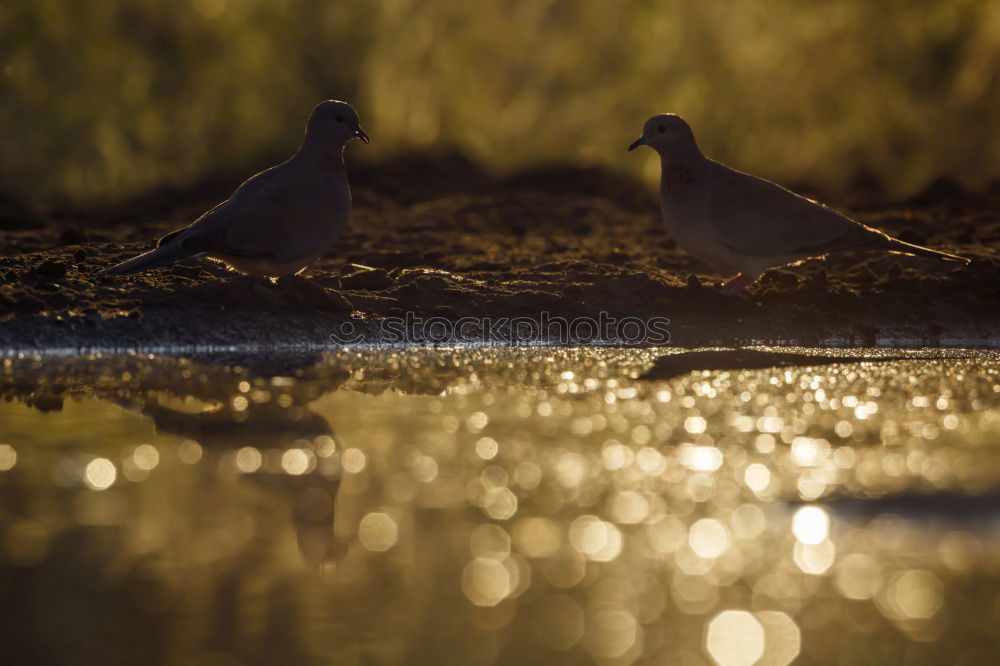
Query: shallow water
{"x": 498, "y": 506}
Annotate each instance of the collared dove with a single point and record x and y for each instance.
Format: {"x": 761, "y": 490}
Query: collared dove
{"x": 279, "y": 221}
{"x": 743, "y": 224}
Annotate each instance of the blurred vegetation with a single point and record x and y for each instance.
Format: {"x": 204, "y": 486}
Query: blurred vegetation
{"x": 105, "y": 99}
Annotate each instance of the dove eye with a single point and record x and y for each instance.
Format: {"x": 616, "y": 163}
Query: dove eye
{"x": 661, "y": 128}
{"x": 339, "y": 117}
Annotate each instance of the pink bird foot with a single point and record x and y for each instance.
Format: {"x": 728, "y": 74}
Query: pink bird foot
{"x": 736, "y": 284}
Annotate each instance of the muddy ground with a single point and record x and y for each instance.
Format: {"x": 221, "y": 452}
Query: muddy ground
{"x": 438, "y": 237}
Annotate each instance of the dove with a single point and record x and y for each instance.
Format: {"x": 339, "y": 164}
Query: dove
{"x": 745, "y": 225}
{"x": 280, "y": 220}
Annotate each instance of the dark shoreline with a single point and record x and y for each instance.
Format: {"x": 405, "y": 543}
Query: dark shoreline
{"x": 437, "y": 238}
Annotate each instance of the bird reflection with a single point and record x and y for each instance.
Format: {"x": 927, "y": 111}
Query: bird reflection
{"x": 271, "y": 436}
{"x": 538, "y": 500}
{"x": 224, "y": 426}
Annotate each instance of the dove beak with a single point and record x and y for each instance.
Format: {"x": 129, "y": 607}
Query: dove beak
{"x": 361, "y": 135}
{"x": 638, "y": 142}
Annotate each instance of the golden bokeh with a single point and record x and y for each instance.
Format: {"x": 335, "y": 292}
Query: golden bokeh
{"x": 829, "y": 93}
{"x": 541, "y": 507}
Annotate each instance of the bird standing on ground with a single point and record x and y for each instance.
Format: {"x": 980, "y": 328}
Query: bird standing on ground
{"x": 279, "y": 221}
{"x": 743, "y": 224}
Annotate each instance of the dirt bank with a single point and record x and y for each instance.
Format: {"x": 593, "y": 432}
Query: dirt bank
{"x": 437, "y": 237}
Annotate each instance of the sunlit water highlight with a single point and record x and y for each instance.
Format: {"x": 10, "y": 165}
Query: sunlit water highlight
{"x": 499, "y": 506}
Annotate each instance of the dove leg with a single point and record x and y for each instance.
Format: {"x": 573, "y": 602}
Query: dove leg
{"x": 736, "y": 284}
{"x": 304, "y": 291}
{"x": 256, "y": 281}
{"x": 290, "y": 283}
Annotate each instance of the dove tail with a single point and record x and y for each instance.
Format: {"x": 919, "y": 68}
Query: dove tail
{"x": 161, "y": 256}
{"x": 920, "y": 251}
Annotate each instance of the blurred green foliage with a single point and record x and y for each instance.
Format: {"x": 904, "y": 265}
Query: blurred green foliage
{"x": 105, "y": 99}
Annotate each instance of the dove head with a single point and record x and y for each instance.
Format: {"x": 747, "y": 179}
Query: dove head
{"x": 332, "y": 124}
{"x": 669, "y": 135}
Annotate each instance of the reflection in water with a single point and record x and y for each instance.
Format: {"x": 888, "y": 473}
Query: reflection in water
{"x": 518, "y": 506}
{"x": 265, "y": 431}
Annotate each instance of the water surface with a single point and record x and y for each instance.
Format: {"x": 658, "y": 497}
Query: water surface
{"x": 498, "y": 507}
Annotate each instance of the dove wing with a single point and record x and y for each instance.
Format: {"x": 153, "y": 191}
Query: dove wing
{"x": 753, "y": 216}
{"x": 272, "y": 215}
